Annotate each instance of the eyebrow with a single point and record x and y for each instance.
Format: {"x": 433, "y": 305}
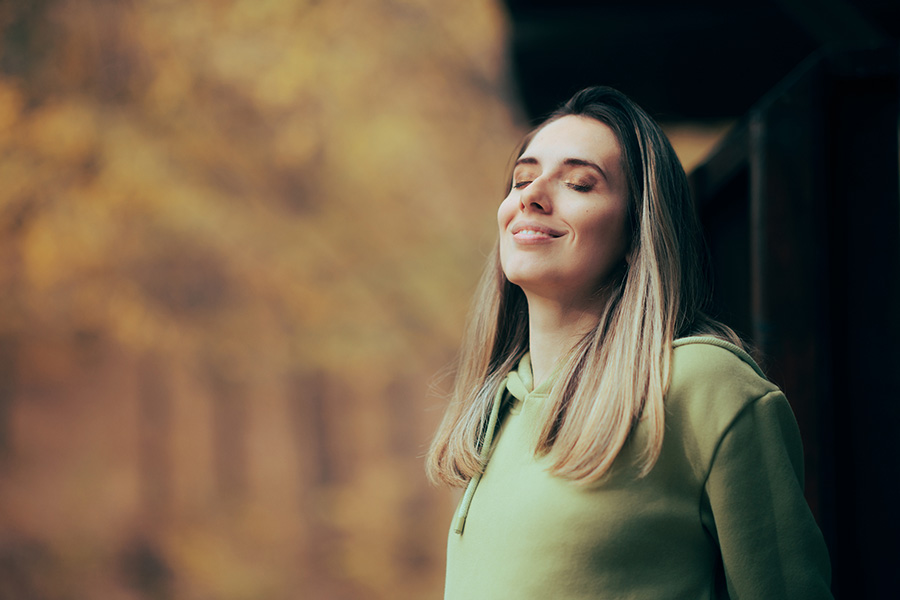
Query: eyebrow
{"x": 571, "y": 162}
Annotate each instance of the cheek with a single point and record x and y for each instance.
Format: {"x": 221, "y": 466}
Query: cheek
{"x": 505, "y": 212}
{"x": 608, "y": 232}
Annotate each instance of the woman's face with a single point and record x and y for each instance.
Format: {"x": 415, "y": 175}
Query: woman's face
{"x": 562, "y": 226}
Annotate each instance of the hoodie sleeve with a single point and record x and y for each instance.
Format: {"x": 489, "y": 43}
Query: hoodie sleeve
{"x": 771, "y": 546}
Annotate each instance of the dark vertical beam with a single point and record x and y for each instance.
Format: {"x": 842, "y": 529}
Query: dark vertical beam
{"x": 790, "y": 271}
{"x": 864, "y": 224}
{"x": 758, "y": 198}
{"x": 725, "y": 221}
{"x": 721, "y": 188}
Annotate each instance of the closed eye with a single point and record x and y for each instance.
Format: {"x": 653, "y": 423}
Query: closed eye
{"x": 521, "y": 184}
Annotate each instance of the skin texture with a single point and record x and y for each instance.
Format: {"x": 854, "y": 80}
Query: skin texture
{"x": 562, "y": 231}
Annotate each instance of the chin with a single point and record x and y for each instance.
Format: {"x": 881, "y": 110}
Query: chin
{"x": 532, "y": 282}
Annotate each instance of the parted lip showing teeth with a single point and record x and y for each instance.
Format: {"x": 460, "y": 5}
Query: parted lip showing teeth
{"x": 526, "y": 229}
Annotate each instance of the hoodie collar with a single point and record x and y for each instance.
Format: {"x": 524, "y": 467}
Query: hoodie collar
{"x": 520, "y": 384}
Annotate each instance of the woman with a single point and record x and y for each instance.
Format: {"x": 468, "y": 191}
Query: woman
{"x": 615, "y": 441}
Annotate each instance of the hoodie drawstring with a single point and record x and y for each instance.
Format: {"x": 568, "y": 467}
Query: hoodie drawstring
{"x": 463, "y": 511}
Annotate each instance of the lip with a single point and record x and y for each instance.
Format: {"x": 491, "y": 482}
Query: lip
{"x": 531, "y": 232}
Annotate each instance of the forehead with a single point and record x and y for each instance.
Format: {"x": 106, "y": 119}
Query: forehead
{"x": 575, "y": 137}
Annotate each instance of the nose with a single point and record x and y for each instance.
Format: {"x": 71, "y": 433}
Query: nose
{"x": 536, "y": 197}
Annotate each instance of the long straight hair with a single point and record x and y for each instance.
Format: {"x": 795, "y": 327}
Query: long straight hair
{"x": 618, "y": 374}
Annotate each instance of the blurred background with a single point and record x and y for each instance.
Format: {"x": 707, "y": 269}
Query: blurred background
{"x": 239, "y": 238}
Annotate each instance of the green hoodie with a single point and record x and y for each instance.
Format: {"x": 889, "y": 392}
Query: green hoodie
{"x": 721, "y": 515}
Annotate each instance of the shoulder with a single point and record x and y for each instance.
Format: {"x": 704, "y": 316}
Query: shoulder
{"x": 706, "y": 363}
{"x": 712, "y": 383}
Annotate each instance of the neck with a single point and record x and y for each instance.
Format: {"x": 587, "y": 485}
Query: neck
{"x": 554, "y": 328}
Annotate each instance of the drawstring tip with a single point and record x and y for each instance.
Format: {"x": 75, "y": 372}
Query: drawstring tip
{"x": 459, "y": 525}
{"x": 463, "y": 511}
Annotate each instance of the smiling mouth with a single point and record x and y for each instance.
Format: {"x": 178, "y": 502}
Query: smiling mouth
{"x": 533, "y": 233}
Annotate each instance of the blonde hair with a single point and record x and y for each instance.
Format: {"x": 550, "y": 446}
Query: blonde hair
{"x": 618, "y": 373}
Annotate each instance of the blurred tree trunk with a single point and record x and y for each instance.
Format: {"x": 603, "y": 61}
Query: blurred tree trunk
{"x": 229, "y": 414}
{"x": 154, "y": 429}
{"x": 9, "y": 344}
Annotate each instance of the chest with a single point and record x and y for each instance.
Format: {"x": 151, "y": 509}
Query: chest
{"x": 537, "y": 532}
